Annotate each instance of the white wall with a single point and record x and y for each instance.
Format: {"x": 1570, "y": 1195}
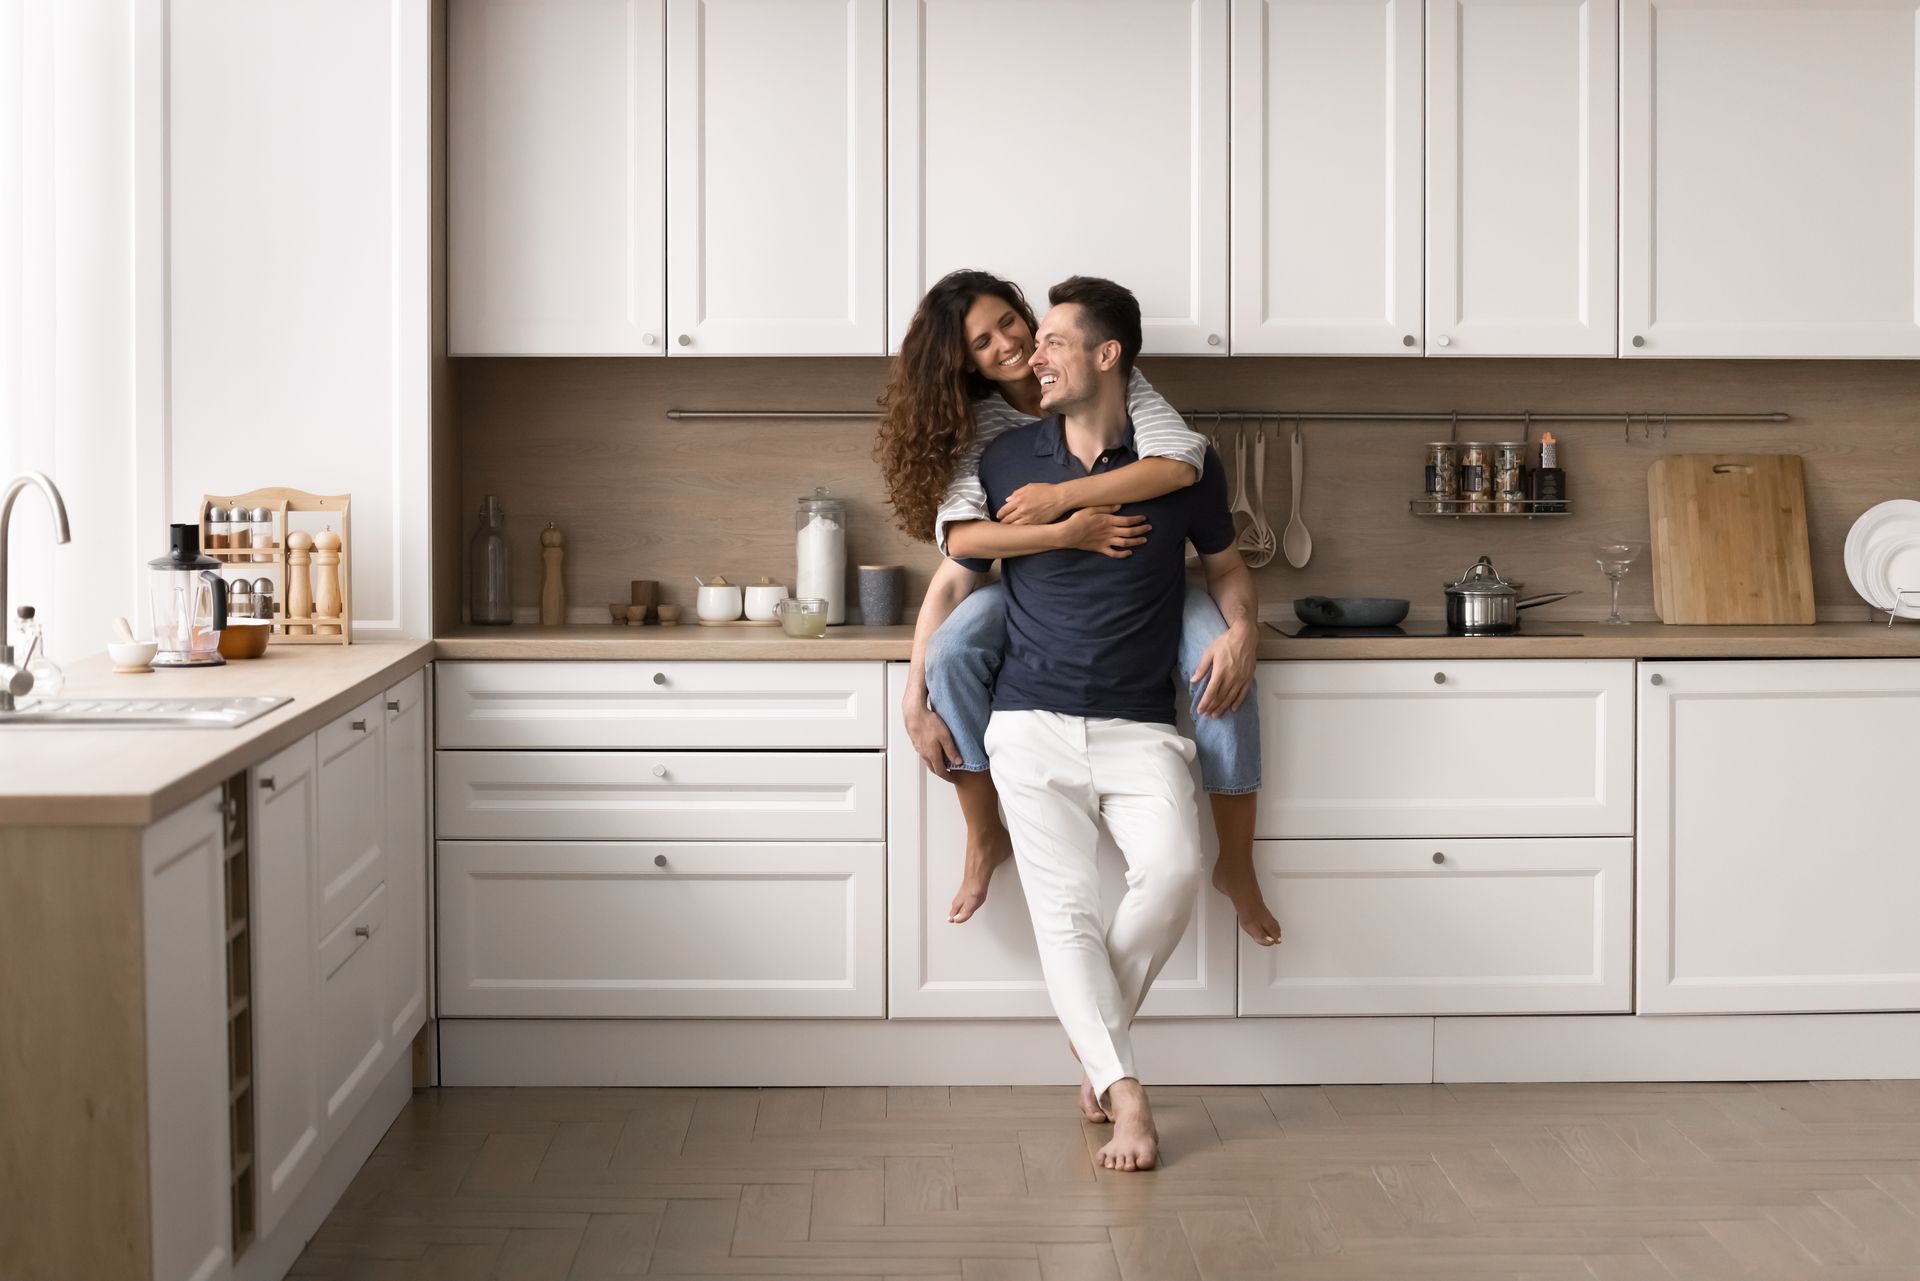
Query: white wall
{"x": 66, "y": 309}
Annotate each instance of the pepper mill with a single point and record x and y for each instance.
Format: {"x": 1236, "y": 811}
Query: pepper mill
{"x": 326, "y": 582}
{"x": 299, "y": 587}
{"x": 553, "y": 593}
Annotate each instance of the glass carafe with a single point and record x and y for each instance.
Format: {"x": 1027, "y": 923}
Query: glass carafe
{"x": 189, "y": 599}
{"x": 490, "y": 586}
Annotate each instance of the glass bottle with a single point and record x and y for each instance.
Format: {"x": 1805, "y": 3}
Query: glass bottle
{"x": 48, "y": 679}
{"x": 489, "y": 586}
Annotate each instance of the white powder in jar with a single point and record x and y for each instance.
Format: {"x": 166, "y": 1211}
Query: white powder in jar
{"x": 822, "y": 550}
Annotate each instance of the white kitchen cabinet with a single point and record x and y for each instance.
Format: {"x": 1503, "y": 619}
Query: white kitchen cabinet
{"x": 1444, "y": 927}
{"x": 675, "y": 705}
{"x": 286, "y": 979}
{"x": 184, "y": 921}
{"x": 1776, "y": 863}
{"x": 406, "y": 857}
{"x": 1768, "y": 178}
{"x": 661, "y": 796}
{"x": 776, "y": 177}
{"x": 351, "y": 851}
{"x": 988, "y": 967}
{"x": 1039, "y": 139}
{"x": 559, "y": 929}
{"x": 556, "y": 173}
{"x": 1481, "y": 747}
{"x": 1522, "y": 157}
{"x": 353, "y": 1016}
{"x": 1327, "y": 160}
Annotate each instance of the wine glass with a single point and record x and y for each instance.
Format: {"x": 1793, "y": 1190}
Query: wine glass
{"x": 1615, "y": 559}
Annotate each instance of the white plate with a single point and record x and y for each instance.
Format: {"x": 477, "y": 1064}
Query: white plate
{"x": 1894, "y": 564}
{"x": 1873, "y": 523}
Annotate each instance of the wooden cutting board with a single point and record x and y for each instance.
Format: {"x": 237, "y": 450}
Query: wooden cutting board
{"x": 1730, "y": 538}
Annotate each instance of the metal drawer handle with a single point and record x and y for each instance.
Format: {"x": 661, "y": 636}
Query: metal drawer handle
{"x": 359, "y": 725}
{"x": 659, "y": 860}
{"x": 1657, "y": 679}
{"x": 659, "y": 678}
{"x": 363, "y": 931}
{"x": 659, "y": 771}
{"x": 393, "y": 704}
{"x": 1439, "y": 678}
{"x": 266, "y": 782}
{"x": 1438, "y": 857}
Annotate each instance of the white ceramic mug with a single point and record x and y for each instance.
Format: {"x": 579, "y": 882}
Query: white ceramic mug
{"x": 763, "y": 599}
{"x": 719, "y": 604}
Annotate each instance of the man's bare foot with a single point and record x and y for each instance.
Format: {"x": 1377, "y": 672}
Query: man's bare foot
{"x": 1135, "y": 1144}
{"x": 1237, "y": 881}
{"x": 983, "y": 855}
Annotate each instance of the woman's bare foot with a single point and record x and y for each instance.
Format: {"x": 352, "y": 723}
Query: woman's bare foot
{"x": 1239, "y": 883}
{"x": 983, "y": 855}
{"x": 1135, "y": 1144}
{"x": 1089, "y": 1100}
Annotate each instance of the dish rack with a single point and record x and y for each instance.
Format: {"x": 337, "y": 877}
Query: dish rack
{"x": 332, "y": 511}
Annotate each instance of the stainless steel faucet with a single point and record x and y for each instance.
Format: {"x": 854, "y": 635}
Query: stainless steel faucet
{"x": 16, "y": 682}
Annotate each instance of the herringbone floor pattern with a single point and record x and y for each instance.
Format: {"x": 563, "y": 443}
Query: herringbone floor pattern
{"x": 1597, "y": 1182}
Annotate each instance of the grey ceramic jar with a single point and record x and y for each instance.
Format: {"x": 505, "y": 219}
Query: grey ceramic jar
{"x": 882, "y": 594}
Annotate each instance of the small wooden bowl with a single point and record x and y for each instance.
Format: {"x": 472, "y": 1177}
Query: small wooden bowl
{"x": 669, "y": 614}
{"x": 618, "y": 610}
{"x": 244, "y": 638}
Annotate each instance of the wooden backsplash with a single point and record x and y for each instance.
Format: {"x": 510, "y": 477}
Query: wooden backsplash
{"x": 587, "y": 444}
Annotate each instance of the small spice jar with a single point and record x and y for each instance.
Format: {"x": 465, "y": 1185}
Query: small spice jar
{"x": 1510, "y": 476}
{"x": 219, "y": 529}
{"x": 1443, "y": 475}
{"x": 1476, "y": 476}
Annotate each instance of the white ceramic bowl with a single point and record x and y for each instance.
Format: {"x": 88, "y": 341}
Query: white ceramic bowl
{"x": 135, "y": 654}
{"x": 719, "y": 604}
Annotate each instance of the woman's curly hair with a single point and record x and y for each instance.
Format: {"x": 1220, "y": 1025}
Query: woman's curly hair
{"x": 926, "y": 419}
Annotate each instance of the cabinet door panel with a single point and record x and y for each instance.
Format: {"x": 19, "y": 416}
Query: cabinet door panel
{"x": 1522, "y": 159}
{"x": 406, "y": 853}
{"x": 286, "y": 978}
{"x": 1768, "y": 178}
{"x": 776, "y": 182}
{"x": 626, "y": 929}
{"x": 353, "y": 813}
{"x": 988, "y": 967}
{"x": 556, "y": 194}
{"x": 353, "y": 1019}
{"x": 184, "y": 923}
{"x": 1442, "y": 748}
{"x": 1141, "y": 126}
{"x": 1776, "y": 837}
{"x": 1444, "y": 927}
{"x": 1327, "y": 159}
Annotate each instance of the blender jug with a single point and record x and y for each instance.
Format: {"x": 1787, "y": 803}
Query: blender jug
{"x": 189, "y": 603}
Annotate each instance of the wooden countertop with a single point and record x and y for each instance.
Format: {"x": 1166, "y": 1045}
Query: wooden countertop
{"x": 1638, "y": 640}
{"x": 126, "y": 777}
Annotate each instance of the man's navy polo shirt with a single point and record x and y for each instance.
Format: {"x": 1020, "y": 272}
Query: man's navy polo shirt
{"x": 1088, "y": 634}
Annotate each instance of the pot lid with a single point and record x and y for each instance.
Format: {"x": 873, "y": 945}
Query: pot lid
{"x": 1482, "y": 579}
{"x": 183, "y": 550}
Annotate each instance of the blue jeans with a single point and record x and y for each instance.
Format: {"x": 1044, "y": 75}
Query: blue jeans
{"x": 963, "y": 660}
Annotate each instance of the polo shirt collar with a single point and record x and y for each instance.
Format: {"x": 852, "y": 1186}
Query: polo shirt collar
{"x": 1051, "y": 440}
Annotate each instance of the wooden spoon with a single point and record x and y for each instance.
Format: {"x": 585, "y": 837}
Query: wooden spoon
{"x": 1296, "y": 542}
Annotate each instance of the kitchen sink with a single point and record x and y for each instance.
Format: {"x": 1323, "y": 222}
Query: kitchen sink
{"x": 143, "y": 713}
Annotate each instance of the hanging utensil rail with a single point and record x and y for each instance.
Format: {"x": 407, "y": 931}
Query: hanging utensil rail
{"x": 1646, "y": 418}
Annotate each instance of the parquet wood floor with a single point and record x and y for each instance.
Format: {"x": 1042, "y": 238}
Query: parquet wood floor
{"x": 1775, "y": 1181}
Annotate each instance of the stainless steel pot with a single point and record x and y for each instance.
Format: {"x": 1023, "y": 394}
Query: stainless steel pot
{"x": 1481, "y": 603}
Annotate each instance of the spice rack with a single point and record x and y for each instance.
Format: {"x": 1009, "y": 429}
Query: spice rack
{"x": 1527, "y": 507}
{"x": 284, "y": 504}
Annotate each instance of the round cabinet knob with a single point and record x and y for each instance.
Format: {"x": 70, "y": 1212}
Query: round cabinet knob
{"x": 659, "y": 771}
{"x": 1445, "y": 341}
{"x": 1213, "y": 340}
{"x": 649, "y": 340}
{"x": 266, "y": 783}
{"x": 1657, "y": 679}
{"x": 1439, "y": 678}
{"x": 659, "y": 860}
{"x": 1639, "y": 340}
{"x": 1409, "y": 341}
{"x": 1438, "y": 857}
{"x": 684, "y": 341}
{"x": 659, "y": 678}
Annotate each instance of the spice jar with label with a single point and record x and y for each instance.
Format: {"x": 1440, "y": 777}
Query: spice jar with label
{"x": 1443, "y": 476}
{"x": 1510, "y": 476}
{"x": 1476, "y": 476}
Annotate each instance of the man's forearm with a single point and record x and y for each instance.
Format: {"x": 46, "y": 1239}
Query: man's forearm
{"x": 990, "y": 540}
{"x": 1134, "y": 483}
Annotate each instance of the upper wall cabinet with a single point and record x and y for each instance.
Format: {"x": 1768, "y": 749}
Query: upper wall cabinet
{"x": 1768, "y": 178}
{"x": 1521, "y": 156}
{"x": 1326, "y": 177}
{"x": 776, "y": 188}
{"x": 556, "y": 216}
{"x": 1111, "y": 161}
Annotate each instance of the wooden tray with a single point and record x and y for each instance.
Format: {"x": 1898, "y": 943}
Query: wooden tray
{"x": 1730, "y": 539}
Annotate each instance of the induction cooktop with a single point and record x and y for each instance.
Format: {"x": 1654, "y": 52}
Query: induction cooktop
{"x": 1424, "y": 629}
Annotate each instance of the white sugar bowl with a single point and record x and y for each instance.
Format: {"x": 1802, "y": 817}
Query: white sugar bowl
{"x": 763, "y": 598}
{"x": 719, "y": 601}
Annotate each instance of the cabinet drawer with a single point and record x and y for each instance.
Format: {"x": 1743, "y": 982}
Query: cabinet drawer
{"x": 662, "y": 796}
{"x": 1445, "y": 748}
{"x": 558, "y": 929}
{"x": 1493, "y": 927}
{"x": 671, "y": 705}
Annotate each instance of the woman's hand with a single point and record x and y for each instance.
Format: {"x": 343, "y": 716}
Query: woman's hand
{"x": 1227, "y": 667}
{"x": 1097, "y": 529}
{"x": 932, "y": 740}
{"x": 1035, "y": 504}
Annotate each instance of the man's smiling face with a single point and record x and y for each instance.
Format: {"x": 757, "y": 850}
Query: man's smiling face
{"x": 1063, "y": 360}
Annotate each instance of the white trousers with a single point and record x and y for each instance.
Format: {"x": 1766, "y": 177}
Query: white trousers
{"x": 1059, "y": 778}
